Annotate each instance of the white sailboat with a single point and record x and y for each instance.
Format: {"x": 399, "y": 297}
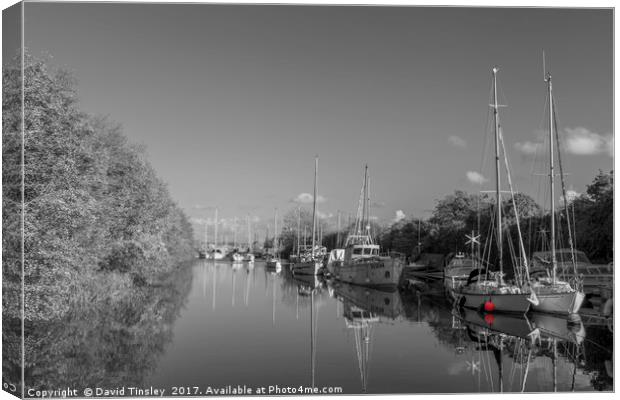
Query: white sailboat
{"x": 555, "y": 295}
{"x": 492, "y": 292}
{"x": 218, "y": 253}
{"x": 249, "y": 256}
{"x": 311, "y": 264}
{"x": 273, "y": 260}
{"x": 360, "y": 262}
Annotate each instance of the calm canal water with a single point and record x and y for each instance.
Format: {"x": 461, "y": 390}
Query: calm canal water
{"x": 220, "y": 325}
{"x": 245, "y": 325}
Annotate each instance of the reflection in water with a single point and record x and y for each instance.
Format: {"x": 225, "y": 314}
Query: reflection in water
{"x": 362, "y": 308}
{"x": 110, "y": 345}
{"x": 218, "y": 324}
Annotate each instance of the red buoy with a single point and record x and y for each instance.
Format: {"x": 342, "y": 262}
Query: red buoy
{"x": 489, "y": 319}
{"x": 489, "y": 306}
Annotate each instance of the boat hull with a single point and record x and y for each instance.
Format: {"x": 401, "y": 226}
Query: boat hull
{"x": 507, "y": 303}
{"x": 559, "y": 303}
{"x": 273, "y": 265}
{"x": 453, "y": 284}
{"x": 379, "y": 273}
{"x": 307, "y": 268}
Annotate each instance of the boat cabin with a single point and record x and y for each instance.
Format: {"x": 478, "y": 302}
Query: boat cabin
{"x": 360, "y": 246}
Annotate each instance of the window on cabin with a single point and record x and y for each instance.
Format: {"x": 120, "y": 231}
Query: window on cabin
{"x": 368, "y": 251}
{"x": 357, "y": 251}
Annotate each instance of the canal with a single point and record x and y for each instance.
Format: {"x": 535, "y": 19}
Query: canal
{"x": 244, "y": 325}
{"x": 226, "y": 326}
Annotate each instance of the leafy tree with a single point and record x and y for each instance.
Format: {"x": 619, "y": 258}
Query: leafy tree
{"x": 92, "y": 202}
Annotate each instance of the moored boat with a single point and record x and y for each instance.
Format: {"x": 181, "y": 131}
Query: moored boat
{"x": 555, "y": 295}
{"x": 272, "y": 261}
{"x": 489, "y": 291}
{"x": 361, "y": 262}
{"x": 311, "y": 264}
{"x": 457, "y": 272}
{"x": 237, "y": 257}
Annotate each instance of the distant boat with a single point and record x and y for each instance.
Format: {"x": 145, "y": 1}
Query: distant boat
{"x": 202, "y": 254}
{"x": 595, "y": 276}
{"x": 489, "y": 290}
{"x": 360, "y": 262}
{"x": 311, "y": 264}
{"x": 555, "y": 295}
{"x": 249, "y": 256}
{"x": 217, "y": 253}
{"x": 457, "y": 272}
{"x": 272, "y": 261}
{"x": 237, "y": 257}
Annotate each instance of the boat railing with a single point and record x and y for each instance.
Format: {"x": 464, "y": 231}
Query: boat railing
{"x": 394, "y": 254}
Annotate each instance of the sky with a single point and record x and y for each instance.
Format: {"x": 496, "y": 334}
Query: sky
{"x": 233, "y": 102}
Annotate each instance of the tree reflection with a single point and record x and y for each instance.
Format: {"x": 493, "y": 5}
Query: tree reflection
{"x": 112, "y": 344}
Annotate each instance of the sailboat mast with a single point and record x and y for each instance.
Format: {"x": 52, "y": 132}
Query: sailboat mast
{"x": 316, "y": 170}
{"x": 298, "y": 229}
{"x": 312, "y": 335}
{"x": 249, "y": 235}
{"x": 215, "y": 226}
{"x": 365, "y": 204}
{"x": 235, "y": 233}
{"x": 206, "y": 235}
{"x": 497, "y": 175}
{"x": 551, "y": 176}
{"x": 338, "y": 232}
{"x": 275, "y": 232}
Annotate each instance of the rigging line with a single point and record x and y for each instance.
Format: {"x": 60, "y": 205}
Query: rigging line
{"x": 563, "y": 184}
{"x": 514, "y": 205}
{"x": 359, "y": 217}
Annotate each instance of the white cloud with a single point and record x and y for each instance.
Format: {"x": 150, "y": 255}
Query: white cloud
{"x": 400, "y": 215}
{"x": 527, "y": 148}
{"x": 323, "y": 215}
{"x": 457, "y": 141}
{"x": 306, "y": 198}
{"x": 582, "y": 141}
{"x": 476, "y": 177}
{"x": 571, "y": 195}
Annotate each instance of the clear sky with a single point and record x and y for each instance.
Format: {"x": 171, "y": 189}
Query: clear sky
{"x": 234, "y": 101}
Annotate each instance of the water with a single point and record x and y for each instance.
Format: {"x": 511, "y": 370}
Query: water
{"x": 217, "y": 324}
{"x": 245, "y": 325}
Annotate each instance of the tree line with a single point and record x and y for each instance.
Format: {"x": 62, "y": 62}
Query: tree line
{"x": 97, "y": 219}
{"x": 458, "y": 214}
{"x": 590, "y": 216}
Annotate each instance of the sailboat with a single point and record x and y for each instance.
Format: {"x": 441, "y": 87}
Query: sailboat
{"x": 360, "y": 262}
{"x": 249, "y": 256}
{"x": 311, "y": 264}
{"x": 492, "y": 292}
{"x": 273, "y": 260}
{"x": 218, "y": 253}
{"x": 555, "y": 295}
